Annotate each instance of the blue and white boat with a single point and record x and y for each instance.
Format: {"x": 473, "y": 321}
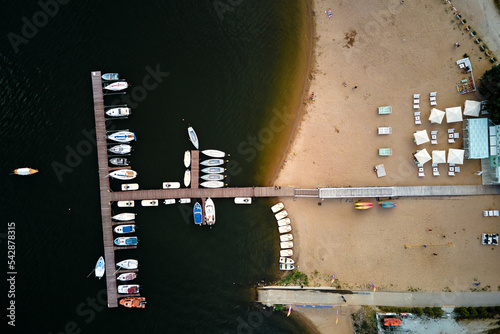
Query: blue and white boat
{"x": 123, "y": 174}
{"x": 193, "y": 137}
{"x": 126, "y": 241}
{"x": 110, "y": 76}
{"x": 122, "y": 136}
{"x": 118, "y": 112}
{"x": 213, "y": 177}
{"x": 213, "y": 170}
{"x": 100, "y": 268}
{"x": 198, "y": 218}
{"x": 212, "y": 162}
{"x": 122, "y": 229}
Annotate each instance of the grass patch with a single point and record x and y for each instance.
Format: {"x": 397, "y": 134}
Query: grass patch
{"x": 295, "y": 278}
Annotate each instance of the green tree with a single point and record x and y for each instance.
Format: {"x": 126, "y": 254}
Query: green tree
{"x": 438, "y": 312}
{"x": 463, "y": 312}
{"x": 429, "y": 311}
{"x": 489, "y": 87}
{"x": 418, "y": 311}
{"x": 472, "y": 312}
{"x": 482, "y": 312}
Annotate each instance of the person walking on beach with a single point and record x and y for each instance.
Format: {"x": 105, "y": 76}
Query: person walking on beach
{"x": 345, "y": 301}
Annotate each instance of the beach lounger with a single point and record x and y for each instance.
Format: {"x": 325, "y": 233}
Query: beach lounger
{"x": 384, "y": 152}
{"x": 384, "y": 130}
{"x": 456, "y": 135}
{"x": 416, "y": 106}
{"x": 432, "y": 98}
{"x": 416, "y": 96}
{"x": 451, "y": 130}
{"x": 435, "y": 171}
{"x": 433, "y": 94}
{"x": 451, "y": 138}
{"x": 486, "y": 213}
{"x": 450, "y": 173}
{"x": 416, "y": 101}
{"x": 457, "y": 169}
{"x": 434, "y": 138}
{"x": 380, "y": 169}
{"x": 421, "y": 172}
{"x": 384, "y": 110}
{"x": 491, "y": 212}
{"x": 419, "y": 165}
{"x": 495, "y": 213}
{"x": 433, "y": 103}
{"x": 417, "y": 120}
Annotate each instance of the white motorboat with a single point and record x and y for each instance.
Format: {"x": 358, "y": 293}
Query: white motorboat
{"x": 209, "y": 211}
{"x": 286, "y": 244}
{"x": 283, "y": 222}
{"x": 126, "y": 241}
{"x": 212, "y": 184}
{"x": 277, "y": 207}
{"x": 285, "y": 266}
{"x": 127, "y": 277}
{"x": 149, "y": 202}
{"x": 128, "y": 264}
{"x": 187, "y": 178}
{"x": 214, "y": 153}
{"x": 285, "y": 229}
{"x": 169, "y": 201}
{"x": 187, "y": 158}
{"x": 123, "y": 229}
{"x": 212, "y": 162}
{"x": 286, "y": 260}
{"x": 125, "y": 204}
{"x": 100, "y": 268}
{"x": 193, "y": 137}
{"x": 117, "y": 86}
{"x": 119, "y": 161}
{"x": 286, "y": 252}
{"x": 123, "y": 174}
{"x": 118, "y": 112}
{"x": 124, "y": 216}
{"x": 131, "y": 288}
{"x": 130, "y": 186}
{"x": 171, "y": 185}
{"x": 25, "y": 171}
{"x": 110, "y": 76}
{"x": 185, "y": 200}
{"x": 243, "y": 200}
{"x": 286, "y": 237}
{"x": 122, "y": 136}
{"x": 120, "y": 149}
{"x": 281, "y": 215}
{"x": 213, "y": 177}
{"x": 213, "y": 170}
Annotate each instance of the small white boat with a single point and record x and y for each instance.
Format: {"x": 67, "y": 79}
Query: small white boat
{"x": 209, "y": 211}
{"x": 214, "y": 153}
{"x": 131, "y": 288}
{"x": 286, "y": 237}
{"x": 120, "y": 149}
{"x": 277, "y": 207}
{"x": 169, "y": 201}
{"x": 122, "y": 136}
{"x": 212, "y": 162}
{"x": 25, "y": 171}
{"x": 187, "y": 158}
{"x": 117, "y": 86}
{"x": 118, "y": 112}
{"x": 285, "y": 229}
{"x": 213, "y": 170}
{"x": 286, "y": 244}
{"x": 130, "y": 186}
{"x": 119, "y": 161}
{"x": 193, "y": 137}
{"x": 127, "y": 277}
{"x": 285, "y": 266}
{"x": 243, "y": 200}
{"x": 286, "y": 252}
{"x": 212, "y": 184}
{"x": 125, "y": 204}
{"x": 110, "y": 76}
{"x": 128, "y": 264}
{"x": 123, "y": 229}
{"x": 281, "y": 215}
{"x": 286, "y": 260}
{"x": 123, "y": 174}
{"x": 213, "y": 177}
{"x": 185, "y": 200}
{"x": 149, "y": 202}
{"x": 100, "y": 268}
{"x": 187, "y": 178}
{"x": 283, "y": 222}
{"x": 171, "y": 185}
{"x": 124, "y": 216}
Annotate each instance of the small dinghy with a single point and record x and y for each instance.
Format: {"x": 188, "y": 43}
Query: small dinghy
{"x": 126, "y": 216}
{"x": 198, "y": 218}
{"x": 135, "y": 302}
{"x": 117, "y": 86}
{"x": 119, "y": 161}
{"x": 277, "y": 207}
{"x": 127, "y": 277}
{"x": 122, "y": 136}
{"x": 286, "y": 252}
{"x": 213, "y": 170}
{"x": 149, "y": 202}
{"x": 284, "y": 229}
{"x": 286, "y": 260}
{"x": 281, "y": 215}
{"x": 126, "y": 241}
{"x": 286, "y": 237}
{"x": 122, "y": 229}
{"x": 187, "y": 158}
{"x": 131, "y": 288}
{"x": 100, "y": 268}
{"x": 25, "y": 171}
{"x": 125, "y": 204}
{"x": 187, "y": 178}
{"x": 110, "y": 76}
{"x": 130, "y": 186}
{"x": 212, "y": 184}
{"x": 123, "y": 174}
{"x": 242, "y": 200}
{"x": 286, "y": 244}
{"x": 185, "y": 200}
{"x": 214, "y": 153}
{"x": 284, "y": 221}
{"x": 209, "y": 211}
{"x": 128, "y": 264}
{"x": 387, "y": 204}
{"x": 286, "y": 266}
{"x": 212, "y": 162}
{"x": 120, "y": 149}
{"x": 118, "y": 112}
{"x": 193, "y": 137}
{"x": 171, "y": 185}
{"x": 169, "y": 201}
{"x": 213, "y": 177}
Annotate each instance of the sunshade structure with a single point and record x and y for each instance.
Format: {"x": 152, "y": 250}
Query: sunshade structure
{"x": 454, "y": 114}
{"x": 455, "y": 156}
{"x": 438, "y": 157}
{"x": 421, "y": 137}
{"x": 422, "y": 156}
{"x": 472, "y": 108}
{"x": 436, "y": 116}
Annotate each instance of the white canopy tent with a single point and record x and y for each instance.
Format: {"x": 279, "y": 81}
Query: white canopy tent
{"x": 472, "y": 108}
{"x": 455, "y": 156}
{"x": 438, "y": 157}
{"x": 423, "y": 156}
{"x": 436, "y": 116}
{"x": 454, "y": 114}
{"x": 421, "y": 137}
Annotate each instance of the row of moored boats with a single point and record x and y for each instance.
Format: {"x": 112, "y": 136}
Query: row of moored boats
{"x": 286, "y": 243}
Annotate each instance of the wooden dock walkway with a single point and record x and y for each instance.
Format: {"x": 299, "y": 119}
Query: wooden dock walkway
{"x": 195, "y": 169}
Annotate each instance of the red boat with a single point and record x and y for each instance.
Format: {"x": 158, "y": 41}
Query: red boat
{"x": 134, "y": 302}
{"x": 391, "y": 322}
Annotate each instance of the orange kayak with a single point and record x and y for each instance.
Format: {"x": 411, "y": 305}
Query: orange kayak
{"x": 134, "y": 302}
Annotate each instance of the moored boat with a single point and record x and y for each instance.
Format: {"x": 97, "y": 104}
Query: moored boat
{"x": 122, "y": 136}
{"x": 118, "y": 112}
{"x": 135, "y": 302}
{"x": 25, "y": 171}
{"x": 277, "y": 207}
{"x": 286, "y": 260}
{"x": 127, "y": 277}
{"x": 149, "y": 202}
{"x": 364, "y": 207}
{"x": 283, "y": 222}
{"x": 119, "y": 161}
{"x": 110, "y": 76}
{"x": 185, "y": 200}
{"x": 187, "y": 158}
{"x": 120, "y": 149}
{"x": 171, "y": 185}
{"x": 187, "y": 178}
{"x": 213, "y": 170}
{"x": 212, "y": 162}
{"x": 122, "y": 229}
{"x": 198, "y": 218}
{"x": 286, "y": 252}
{"x": 214, "y": 153}
{"x": 129, "y": 288}
{"x": 212, "y": 184}
{"x": 100, "y": 268}
{"x": 117, "y": 86}
{"x": 130, "y": 186}
{"x": 128, "y": 264}
{"x": 285, "y": 229}
{"x": 281, "y": 215}
{"x": 126, "y": 241}
{"x": 286, "y": 266}
{"x": 169, "y": 201}
{"x": 125, "y": 204}
{"x": 286, "y": 237}
{"x": 387, "y": 204}
{"x": 286, "y": 244}
{"x": 193, "y": 137}
{"x": 243, "y": 200}
{"x": 209, "y": 211}
{"x": 124, "y": 216}
{"x": 123, "y": 174}
{"x": 213, "y": 177}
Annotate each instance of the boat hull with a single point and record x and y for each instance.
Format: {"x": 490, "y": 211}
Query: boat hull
{"x": 117, "y": 86}
{"x": 118, "y": 112}
{"x": 125, "y": 204}
{"x": 277, "y": 207}
{"x": 100, "y": 268}
{"x": 110, "y": 76}
{"x": 198, "y": 218}
{"x": 286, "y": 244}
{"x": 149, "y": 202}
{"x": 123, "y": 174}
{"x": 213, "y": 177}
{"x": 193, "y": 137}
{"x": 127, "y": 277}
{"x": 122, "y": 136}
{"x": 212, "y": 184}
{"x": 120, "y": 149}
{"x": 124, "y": 229}
{"x": 126, "y": 241}
{"x": 286, "y": 252}
{"x": 286, "y": 260}
{"x": 285, "y": 229}
{"x": 209, "y": 211}
{"x": 212, "y": 162}
{"x": 286, "y": 237}
{"x": 281, "y": 215}
{"x": 124, "y": 216}
{"x": 169, "y": 201}
{"x": 243, "y": 200}
{"x": 128, "y": 264}
{"x": 284, "y": 221}
{"x": 119, "y": 161}
{"x": 187, "y": 178}
{"x": 213, "y": 170}
{"x": 135, "y": 302}
{"x": 25, "y": 171}
{"x": 130, "y": 186}
{"x": 286, "y": 266}
{"x": 214, "y": 153}
{"x": 129, "y": 288}
{"x": 171, "y": 185}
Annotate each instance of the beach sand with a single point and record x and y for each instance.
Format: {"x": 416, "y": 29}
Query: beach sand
{"x": 389, "y": 51}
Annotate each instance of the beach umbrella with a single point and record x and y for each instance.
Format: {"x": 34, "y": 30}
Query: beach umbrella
{"x": 436, "y": 116}
{"x": 455, "y": 156}
{"x": 421, "y": 137}
{"x": 423, "y": 156}
{"x": 472, "y": 108}
{"x": 454, "y": 114}
{"x": 438, "y": 157}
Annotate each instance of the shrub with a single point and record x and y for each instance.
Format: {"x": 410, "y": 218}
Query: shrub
{"x": 418, "y": 311}
{"x": 472, "y": 312}
{"x": 438, "y": 312}
{"x": 482, "y": 312}
{"x": 429, "y": 312}
{"x": 463, "y": 312}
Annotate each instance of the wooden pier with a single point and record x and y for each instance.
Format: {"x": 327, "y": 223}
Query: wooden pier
{"x": 195, "y": 168}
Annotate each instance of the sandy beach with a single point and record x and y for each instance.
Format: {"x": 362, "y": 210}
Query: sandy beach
{"x": 384, "y": 52}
